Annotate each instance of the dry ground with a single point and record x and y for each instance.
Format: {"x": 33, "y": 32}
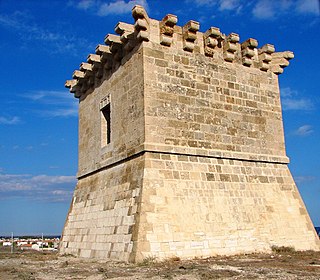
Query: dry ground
{"x": 283, "y": 264}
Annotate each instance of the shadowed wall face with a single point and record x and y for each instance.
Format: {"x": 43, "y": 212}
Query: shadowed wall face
{"x": 113, "y": 111}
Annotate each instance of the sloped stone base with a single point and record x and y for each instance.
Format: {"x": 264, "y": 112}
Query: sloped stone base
{"x": 165, "y": 205}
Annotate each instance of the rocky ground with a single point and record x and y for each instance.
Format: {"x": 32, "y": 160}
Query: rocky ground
{"x": 281, "y": 264}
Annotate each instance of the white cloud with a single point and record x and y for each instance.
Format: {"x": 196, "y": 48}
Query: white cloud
{"x": 303, "y": 179}
{"x": 119, "y": 7}
{"x": 288, "y": 92}
{"x": 104, "y": 8}
{"x": 296, "y": 104}
{"x": 308, "y": 6}
{"x": 263, "y": 9}
{"x": 50, "y": 40}
{"x": 10, "y": 120}
{"x": 304, "y": 130}
{"x": 55, "y": 103}
{"x": 48, "y": 180}
{"x": 40, "y": 187}
{"x": 229, "y": 4}
{"x": 67, "y": 112}
{"x": 85, "y": 4}
{"x": 291, "y": 101}
{"x": 203, "y": 2}
{"x": 266, "y": 9}
{"x": 221, "y": 4}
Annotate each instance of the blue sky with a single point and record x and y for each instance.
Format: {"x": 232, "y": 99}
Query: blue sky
{"x": 43, "y": 42}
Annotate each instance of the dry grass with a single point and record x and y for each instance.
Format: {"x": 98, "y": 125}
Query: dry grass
{"x": 282, "y": 249}
{"x": 283, "y": 263}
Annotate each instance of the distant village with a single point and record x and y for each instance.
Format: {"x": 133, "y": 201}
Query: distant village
{"x": 31, "y": 243}
{"x": 42, "y": 243}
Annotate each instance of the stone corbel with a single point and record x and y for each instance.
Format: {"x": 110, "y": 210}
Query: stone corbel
{"x": 70, "y": 83}
{"x": 141, "y": 26}
{"x": 265, "y": 56}
{"x": 280, "y": 60}
{"x": 87, "y": 68}
{"x": 103, "y": 51}
{"x": 126, "y": 32}
{"x": 189, "y": 33}
{"x": 167, "y": 29}
{"x": 106, "y": 56}
{"x": 77, "y": 74}
{"x": 115, "y": 45}
{"x": 95, "y": 60}
{"x": 211, "y": 40}
{"x": 248, "y": 51}
{"x": 230, "y": 46}
{"x": 74, "y": 87}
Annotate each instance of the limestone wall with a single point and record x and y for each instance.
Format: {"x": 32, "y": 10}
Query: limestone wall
{"x": 124, "y": 91}
{"x": 104, "y": 213}
{"x": 204, "y": 106}
{"x": 200, "y": 206}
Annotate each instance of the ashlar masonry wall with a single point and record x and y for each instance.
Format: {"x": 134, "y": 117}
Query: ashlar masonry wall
{"x": 181, "y": 147}
{"x": 103, "y": 213}
{"x": 104, "y": 209}
{"x": 209, "y": 107}
{"x": 200, "y": 206}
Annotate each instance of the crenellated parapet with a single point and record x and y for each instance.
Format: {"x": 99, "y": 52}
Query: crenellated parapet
{"x": 230, "y": 46}
{"x": 167, "y": 29}
{"x": 212, "y": 38}
{"x": 212, "y": 43}
{"x": 189, "y": 33}
{"x": 248, "y": 51}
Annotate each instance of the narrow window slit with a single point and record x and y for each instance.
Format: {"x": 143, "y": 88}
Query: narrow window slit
{"x": 106, "y": 124}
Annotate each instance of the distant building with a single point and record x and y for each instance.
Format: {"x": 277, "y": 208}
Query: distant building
{"x": 26, "y": 247}
{"x": 35, "y": 247}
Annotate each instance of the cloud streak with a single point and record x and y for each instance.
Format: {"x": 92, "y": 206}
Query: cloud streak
{"x": 119, "y": 7}
{"x": 54, "y": 41}
{"x": 303, "y": 179}
{"x": 290, "y": 101}
{"x": 304, "y": 130}
{"x": 296, "y": 104}
{"x": 9, "y": 120}
{"x": 105, "y": 8}
{"x": 54, "y": 103}
{"x": 266, "y": 9}
{"x": 263, "y": 9}
{"x": 39, "y": 187}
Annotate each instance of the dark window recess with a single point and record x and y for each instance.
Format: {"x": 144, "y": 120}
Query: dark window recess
{"x": 106, "y": 111}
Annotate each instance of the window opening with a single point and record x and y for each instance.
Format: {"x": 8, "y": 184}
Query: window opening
{"x": 106, "y": 124}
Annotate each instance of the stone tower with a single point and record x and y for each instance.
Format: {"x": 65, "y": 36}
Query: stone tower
{"x": 181, "y": 147}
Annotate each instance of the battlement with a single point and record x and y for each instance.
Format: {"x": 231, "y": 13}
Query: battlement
{"x": 212, "y": 43}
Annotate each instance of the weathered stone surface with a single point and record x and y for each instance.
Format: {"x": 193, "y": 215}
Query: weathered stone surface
{"x": 181, "y": 151}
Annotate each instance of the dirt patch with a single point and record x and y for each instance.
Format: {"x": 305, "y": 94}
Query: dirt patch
{"x": 282, "y": 264}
